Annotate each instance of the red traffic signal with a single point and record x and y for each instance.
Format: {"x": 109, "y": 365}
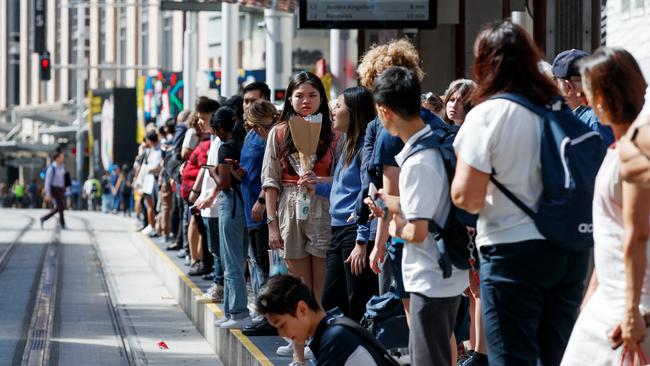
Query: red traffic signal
{"x": 45, "y": 66}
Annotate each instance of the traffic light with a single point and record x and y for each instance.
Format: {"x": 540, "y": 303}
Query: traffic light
{"x": 45, "y": 66}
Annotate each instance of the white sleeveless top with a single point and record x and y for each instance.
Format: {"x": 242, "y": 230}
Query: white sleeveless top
{"x": 589, "y": 344}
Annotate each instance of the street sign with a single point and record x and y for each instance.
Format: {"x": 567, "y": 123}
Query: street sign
{"x": 364, "y": 14}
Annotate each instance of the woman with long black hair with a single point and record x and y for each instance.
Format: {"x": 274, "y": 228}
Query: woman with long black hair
{"x": 304, "y": 242}
{"x": 349, "y": 282}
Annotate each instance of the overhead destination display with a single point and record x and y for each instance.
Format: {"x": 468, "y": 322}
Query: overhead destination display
{"x": 382, "y": 14}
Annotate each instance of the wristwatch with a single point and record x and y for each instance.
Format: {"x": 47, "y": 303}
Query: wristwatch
{"x": 270, "y": 219}
{"x": 261, "y": 200}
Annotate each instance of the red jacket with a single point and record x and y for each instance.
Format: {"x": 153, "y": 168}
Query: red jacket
{"x": 192, "y": 166}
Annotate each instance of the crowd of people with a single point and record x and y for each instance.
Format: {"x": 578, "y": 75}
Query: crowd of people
{"x": 398, "y": 176}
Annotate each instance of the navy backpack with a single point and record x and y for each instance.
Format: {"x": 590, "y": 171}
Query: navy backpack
{"x": 570, "y": 155}
{"x": 455, "y": 243}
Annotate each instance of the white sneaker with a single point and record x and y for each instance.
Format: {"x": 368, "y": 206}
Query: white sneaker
{"x": 258, "y": 319}
{"x": 218, "y": 322}
{"x": 286, "y": 350}
{"x": 214, "y": 294}
{"x": 153, "y": 233}
{"x": 236, "y": 323}
{"x": 252, "y": 310}
{"x": 147, "y": 230}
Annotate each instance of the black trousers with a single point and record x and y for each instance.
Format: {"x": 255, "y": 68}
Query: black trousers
{"x": 260, "y": 243}
{"x": 348, "y": 292}
{"x": 208, "y": 261}
{"x": 58, "y": 194}
{"x": 176, "y": 218}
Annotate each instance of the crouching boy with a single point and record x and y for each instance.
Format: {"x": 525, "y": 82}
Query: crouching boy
{"x": 290, "y": 306}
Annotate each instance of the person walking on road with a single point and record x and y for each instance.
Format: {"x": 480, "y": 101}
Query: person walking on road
{"x": 55, "y": 187}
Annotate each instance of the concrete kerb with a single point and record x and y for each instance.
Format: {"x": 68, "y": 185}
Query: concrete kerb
{"x": 231, "y": 345}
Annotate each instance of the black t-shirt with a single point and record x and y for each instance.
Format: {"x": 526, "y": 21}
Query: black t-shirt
{"x": 336, "y": 345}
{"x": 229, "y": 152}
{"x": 239, "y": 133}
{"x": 106, "y": 185}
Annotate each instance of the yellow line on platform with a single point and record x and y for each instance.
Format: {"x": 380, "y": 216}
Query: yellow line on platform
{"x": 250, "y": 346}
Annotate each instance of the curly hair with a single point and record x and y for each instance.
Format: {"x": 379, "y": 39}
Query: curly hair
{"x": 380, "y": 57}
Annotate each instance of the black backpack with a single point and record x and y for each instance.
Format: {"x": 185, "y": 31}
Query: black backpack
{"x": 455, "y": 243}
{"x": 363, "y": 333}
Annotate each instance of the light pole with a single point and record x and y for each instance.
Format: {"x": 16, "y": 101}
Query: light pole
{"x": 81, "y": 75}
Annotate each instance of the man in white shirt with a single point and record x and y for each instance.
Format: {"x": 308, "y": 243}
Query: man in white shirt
{"x": 424, "y": 195}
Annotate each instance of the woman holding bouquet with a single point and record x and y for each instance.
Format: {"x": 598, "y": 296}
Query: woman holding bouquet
{"x": 304, "y": 242}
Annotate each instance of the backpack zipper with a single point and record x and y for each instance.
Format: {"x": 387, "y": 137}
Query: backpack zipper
{"x": 566, "y": 141}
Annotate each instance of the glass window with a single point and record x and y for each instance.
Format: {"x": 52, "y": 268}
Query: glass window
{"x": 167, "y": 41}
{"x": 144, "y": 31}
{"x": 122, "y": 44}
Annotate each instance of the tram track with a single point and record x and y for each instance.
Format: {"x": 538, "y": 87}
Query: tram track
{"x": 6, "y": 254}
{"x": 45, "y": 295}
{"x": 130, "y": 348}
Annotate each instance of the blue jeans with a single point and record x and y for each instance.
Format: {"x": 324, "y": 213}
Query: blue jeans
{"x": 257, "y": 275}
{"x": 212, "y": 228}
{"x": 233, "y": 248}
{"x": 530, "y": 293}
{"x": 117, "y": 200}
{"x": 394, "y": 251}
{"x": 107, "y": 201}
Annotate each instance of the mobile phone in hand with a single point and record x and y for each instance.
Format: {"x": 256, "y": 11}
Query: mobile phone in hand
{"x": 376, "y": 199}
{"x": 194, "y": 210}
{"x": 233, "y": 162}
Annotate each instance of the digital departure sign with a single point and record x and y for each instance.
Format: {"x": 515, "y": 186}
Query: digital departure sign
{"x": 360, "y": 14}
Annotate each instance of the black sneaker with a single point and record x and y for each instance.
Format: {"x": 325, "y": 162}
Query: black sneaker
{"x": 262, "y": 328}
{"x": 198, "y": 269}
{"x": 174, "y": 246}
{"x": 208, "y": 276}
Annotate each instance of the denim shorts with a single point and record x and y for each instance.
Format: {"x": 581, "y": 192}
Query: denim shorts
{"x": 394, "y": 250}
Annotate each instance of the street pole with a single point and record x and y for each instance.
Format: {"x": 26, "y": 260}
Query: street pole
{"x": 190, "y": 62}
{"x": 338, "y": 60}
{"x": 279, "y": 34}
{"x": 81, "y": 32}
{"x": 230, "y": 34}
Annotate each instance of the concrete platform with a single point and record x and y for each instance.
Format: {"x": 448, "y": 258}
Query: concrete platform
{"x": 232, "y": 346}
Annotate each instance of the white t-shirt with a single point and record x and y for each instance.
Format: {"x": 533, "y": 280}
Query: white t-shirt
{"x": 190, "y": 140}
{"x": 208, "y": 185}
{"x": 154, "y": 157}
{"x": 424, "y": 194}
{"x": 504, "y": 137}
